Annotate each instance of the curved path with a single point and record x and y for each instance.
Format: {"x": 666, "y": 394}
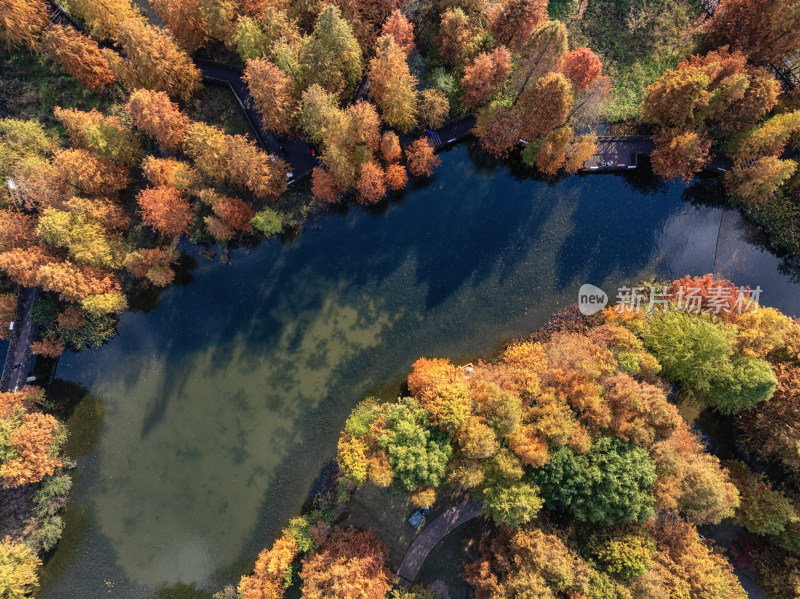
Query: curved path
{"x": 430, "y": 537}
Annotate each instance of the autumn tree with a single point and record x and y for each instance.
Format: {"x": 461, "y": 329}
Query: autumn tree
{"x": 543, "y": 53}
{"x": 680, "y": 154}
{"x": 165, "y": 209}
{"x": 22, "y": 23}
{"x": 454, "y": 34}
{"x": 90, "y": 174}
{"x": 31, "y": 442}
{"x": 433, "y": 108}
{"x": 273, "y": 94}
{"x": 251, "y": 168}
{"x": 544, "y": 105}
{"x": 396, "y": 176}
{"x": 104, "y": 19}
{"x": 499, "y": 130}
{"x": 332, "y": 57}
{"x": 208, "y": 146}
{"x": 49, "y": 347}
{"x": 757, "y": 182}
{"x": 155, "y": 114}
{"x": 86, "y": 240}
{"x": 349, "y": 564}
{"x": 582, "y": 67}
{"x": 371, "y": 184}
{"x": 366, "y": 124}
{"x": 233, "y": 212}
{"x": 105, "y": 136}
{"x": 269, "y": 576}
{"x": 185, "y": 20}
{"x": 421, "y": 158}
{"x": 318, "y": 112}
{"x": 483, "y": 77}
{"x": 512, "y": 21}
{"x": 155, "y": 265}
{"x": 390, "y": 147}
{"x": 763, "y": 510}
{"x": 323, "y": 185}
{"x": 392, "y": 85}
{"x": 154, "y": 61}
{"x": 78, "y": 55}
{"x": 766, "y": 30}
{"x": 691, "y": 480}
{"x": 401, "y": 29}
{"x": 767, "y": 139}
{"x": 19, "y": 566}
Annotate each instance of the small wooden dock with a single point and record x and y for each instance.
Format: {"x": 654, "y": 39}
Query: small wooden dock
{"x": 618, "y": 153}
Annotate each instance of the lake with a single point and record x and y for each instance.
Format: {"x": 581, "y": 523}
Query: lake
{"x": 208, "y": 418}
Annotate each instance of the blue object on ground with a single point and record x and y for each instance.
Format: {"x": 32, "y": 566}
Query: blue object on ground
{"x": 418, "y": 517}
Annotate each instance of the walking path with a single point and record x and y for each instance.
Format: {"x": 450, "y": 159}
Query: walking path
{"x": 18, "y": 358}
{"x": 430, "y": 537}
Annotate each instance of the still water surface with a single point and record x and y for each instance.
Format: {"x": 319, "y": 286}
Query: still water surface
{"x": 209, "y": 416}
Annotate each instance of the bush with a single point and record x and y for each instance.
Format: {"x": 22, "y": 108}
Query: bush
{"x": 267, "y": 222}
{"x": 511, "y": 503}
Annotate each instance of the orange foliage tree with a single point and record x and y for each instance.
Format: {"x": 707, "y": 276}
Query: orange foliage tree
{"x": 390, "y": 147}
{"x": 165, "y": 209}
{"x": 396, "y": 176}
{"x": 371, "y": 183}
{"x": 155, "y": 114}
{"x": 21, "y": 23}
{"x": 185, "y": 19}
{"x": 512, "y": 21}
{"x": 399, "y": 27}
{"x": 35, "y": 441}
{"x": 421, "y": 158}
{"x": 392, "y": 85}
{"x": 273, "y": 93}
{"x": 679, "y": 154}
{"x": 90, "y": 174}
{"x": 233, "y": 212}
{"x": 268, "y": 578}
{"x": 80, "y": 56}
{"x": 349, "y": 564}
{"x": 323, "y": 185}
{"x": 455, "y": 32}
{"x": 545, "y": 105}
{"x": 50, "y": 347}
{"x": 484, "y": 76}
{"x": 154, "y": 61}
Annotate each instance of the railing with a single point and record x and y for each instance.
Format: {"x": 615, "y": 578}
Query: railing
{"x": 8, "y": 366}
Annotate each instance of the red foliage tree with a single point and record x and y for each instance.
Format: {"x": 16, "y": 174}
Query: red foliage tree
{"x": 401, "y": 29}
{"x": 513, "y": 20}
{"x": 582, "y": 67}
{"x": 396, "y": 176}
{"x": 323, "y": 185}
{"x": 234, "y": 213}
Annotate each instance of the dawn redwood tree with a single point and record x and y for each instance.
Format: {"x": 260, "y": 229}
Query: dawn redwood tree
{"x": 765, "y": 30}
{"x": 78, "y": 55}
{"x": 165, "y": 209}
{"x": 349, "y": 564}
{"x": 155, "y": 114}
{"x": 485, "y": 75}
{"x": 545, "y": 105}
{"x": 582, "y": 67}
{"x": 233, "y": 212}
{"x": 499, "y": 130}
{"x": 513, "y": 20}
{"x": 273, "y": 93}
{"x": 170, "y": 173}
{"x": 105, "y": 136}
{"x": 401, "y": 29}
{"x": 185, "y": 20}
{"x": 22, "y": 23}
{"x": 421, "y": 158}
{"x": 103, "y": 19}
{"x": 756, "y": 183}
{"x": 371, "y": 185}
{"x": 153, "y": 60}
{"x": 393, "y": 86}
{"x": 433, "y": 108}
{"x": 396, "y": 176}
{"x": 49, "y": 347}
{"x": 90, "y": 174}
{"x": 455, "y": 33}
{"x": 543, "y": 53}
{"x": 390, "y": 147}
{"x": 680, "y": 154}
{"x": 366, "y": 124}
{"x": 268, "y": 578}
{"x": 250, "y": 167}
{"x": 332, "y": 57}
{"x": 323, "y": 185}
{"x": 33, "y": 448}
{"x": 318, "y": 111}
{"x": 767, "y": 139}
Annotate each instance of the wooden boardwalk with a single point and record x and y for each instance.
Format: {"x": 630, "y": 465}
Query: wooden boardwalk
{"x": 18, "y": 357}
{"x": 430, "y": 537}
{"x": 618, "y": 153}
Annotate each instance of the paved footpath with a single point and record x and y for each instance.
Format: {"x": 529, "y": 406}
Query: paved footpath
{"x": 18, "y": 360}
{"x": 430, "y": 537}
